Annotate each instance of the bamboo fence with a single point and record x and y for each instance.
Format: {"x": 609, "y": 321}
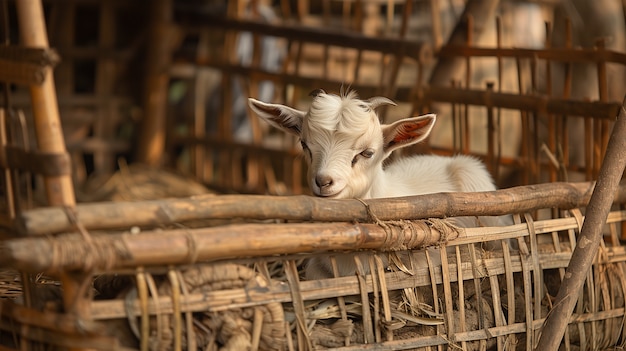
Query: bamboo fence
{"x": 229, "y": 272}
{"x": 419, "y": 283}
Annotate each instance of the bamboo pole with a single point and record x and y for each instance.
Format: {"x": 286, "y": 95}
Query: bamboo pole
{"x": 64, "y": 323}
{"x": 586, "y": 249}
{"x": 106, "y": 75}
{"x": 160, "y": 248}
{"x": 48, "y": 129}
{"x": 571, "y": 55}
{"x": 113, "y": 215}
{"x": 450, "y": 68}
{"x": 542, "y": 104}
{"x": 419, "y": 50}
{"x": 187, "y": 246}
{"x": 595, "y": 109}
{"x": 152, "y": 133}
{"x": 59, "y": 189}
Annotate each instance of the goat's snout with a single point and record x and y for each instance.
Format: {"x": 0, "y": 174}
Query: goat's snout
{"x": 327, "y": 184}
{"x": 323, "y": 181}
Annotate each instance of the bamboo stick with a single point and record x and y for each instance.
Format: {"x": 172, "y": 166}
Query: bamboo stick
{"x": 553, "y": 54}
{"x": 108, "y": 251}
{"x": 152, "y": 132}
{"x": 611, "y": 172}
{"x": 65, "y": 323}
{"x": 535, "y": 103}
{"x": 47, "y": 123}
{"x": 421, "y": 51}
{"x": 190, "y": 245}
{"x": 481, "y": 13}
{"x": 106, "y": 77}
{"x": 109, "y": 215}
{"x": 59, "y": 190}
{"x": 594, "y": 109}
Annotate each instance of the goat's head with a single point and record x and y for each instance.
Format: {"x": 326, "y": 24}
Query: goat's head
{"x": 343, "y": 140}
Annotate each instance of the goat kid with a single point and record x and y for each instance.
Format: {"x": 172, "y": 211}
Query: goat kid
{"x": 345, "y": 146}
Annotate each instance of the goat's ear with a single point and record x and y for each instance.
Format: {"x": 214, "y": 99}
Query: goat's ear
{"x": 280, "y": 116}
{"x": 407, "y": 131}
{"x": 378, "y": 101}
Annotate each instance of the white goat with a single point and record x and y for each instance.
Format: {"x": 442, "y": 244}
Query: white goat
{"x": 345, "y": 146}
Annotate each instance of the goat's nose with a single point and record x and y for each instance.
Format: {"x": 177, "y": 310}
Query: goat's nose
{"x": 323, "y": 181}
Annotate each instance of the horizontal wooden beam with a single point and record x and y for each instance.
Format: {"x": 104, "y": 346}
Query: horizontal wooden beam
{"x": 536, "y": 103}
{"x": 115, "y": 215}
{"x": 37, "y": 56}
{"x": 180, "y": 246}
{"x": 95, "y": 144}
{"x": 280, "y": 78}
{"x": 433, "y": 94}
{"x": 26, "y": 66}
{"x": 419, "y": 51}
{"x": 578, "y": 55}
{"x": 160, "y": 248}
{"x": 46, "y": 164}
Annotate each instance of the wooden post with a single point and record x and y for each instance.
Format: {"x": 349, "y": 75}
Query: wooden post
{"x": 48, "y": 129}
{"x": 590, "y": 236}
{"x": 482, "y": 12}
{"x": 107, "y": 116}
{"x": 152, "y": 132}
{"x": 59, "y": 189}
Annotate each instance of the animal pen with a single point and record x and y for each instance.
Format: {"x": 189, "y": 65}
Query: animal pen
{"x": 162, "y": 263}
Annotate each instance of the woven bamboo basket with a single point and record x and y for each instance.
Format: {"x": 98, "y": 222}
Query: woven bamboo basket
{"x": 420, "y": 281}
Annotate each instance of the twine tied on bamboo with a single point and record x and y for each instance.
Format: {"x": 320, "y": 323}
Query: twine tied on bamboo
{"x": 85, "y": 253}
{"x": 96, "y": 255}
{"x": 404, "y": 234}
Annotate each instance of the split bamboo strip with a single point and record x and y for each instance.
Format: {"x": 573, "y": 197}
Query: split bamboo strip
{"x": 108, "y": 215}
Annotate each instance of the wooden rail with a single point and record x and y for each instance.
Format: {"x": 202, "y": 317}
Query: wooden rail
{"x": 416, "y": 50}
{"x": 538, "y": 103}
{"x": 109, "y": 215}
{"x": 584, "y": 55}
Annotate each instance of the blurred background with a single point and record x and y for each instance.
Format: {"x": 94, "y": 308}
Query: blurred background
{"x": 155, "y": 92}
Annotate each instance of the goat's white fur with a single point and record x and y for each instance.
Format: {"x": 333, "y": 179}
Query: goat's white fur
{"x": 338, "y": 134}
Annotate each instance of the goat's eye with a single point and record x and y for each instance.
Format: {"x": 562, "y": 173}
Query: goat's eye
{"x": 367, "y": 153}
{"x": 305, "y": 147}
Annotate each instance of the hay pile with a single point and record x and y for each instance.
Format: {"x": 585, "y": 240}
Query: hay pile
{"x": 138, "y": 182}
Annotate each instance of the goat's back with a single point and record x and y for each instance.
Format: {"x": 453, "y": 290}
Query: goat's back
{"x": 428, "y": 174}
